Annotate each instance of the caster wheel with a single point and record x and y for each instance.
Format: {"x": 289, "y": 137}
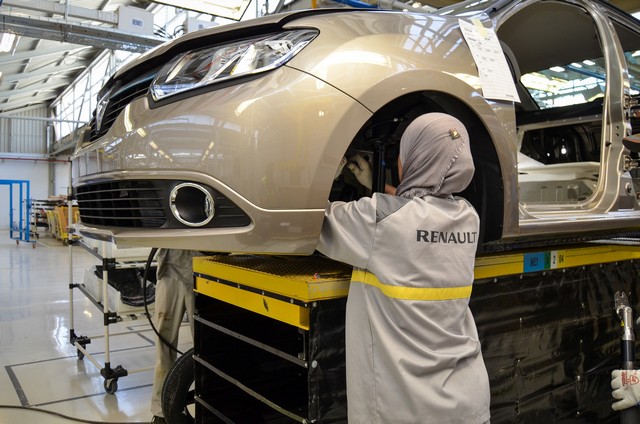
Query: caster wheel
{"x": 80, "y": 354}
{"x": 111, "y": 385}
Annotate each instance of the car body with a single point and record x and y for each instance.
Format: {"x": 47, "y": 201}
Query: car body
{"x": 245, "y": 160}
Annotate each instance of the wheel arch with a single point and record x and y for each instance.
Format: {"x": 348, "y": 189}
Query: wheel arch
{"x": 486, "y": 191}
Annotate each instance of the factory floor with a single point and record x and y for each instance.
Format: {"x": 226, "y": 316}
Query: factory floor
{"x": 42, "y": 380}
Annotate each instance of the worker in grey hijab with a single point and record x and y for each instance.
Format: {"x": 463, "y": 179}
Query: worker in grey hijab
{"x": 412, "y": 348}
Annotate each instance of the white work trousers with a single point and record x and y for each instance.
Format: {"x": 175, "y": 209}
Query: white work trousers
{"x": 174, "y": 297}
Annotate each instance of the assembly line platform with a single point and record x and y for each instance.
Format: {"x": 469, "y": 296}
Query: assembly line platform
{"x": 269, "y": 339}
{"x": 269, "y": 334}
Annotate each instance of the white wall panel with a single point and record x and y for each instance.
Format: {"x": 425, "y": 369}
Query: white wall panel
{"x": 61, "y": 179}
{"x": 37, "y": 173}
{"x": 24, "y": 132}
{"x": 34, "y": 172}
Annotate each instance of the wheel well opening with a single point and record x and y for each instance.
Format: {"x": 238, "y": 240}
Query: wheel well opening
{"x": 379, "y": 140}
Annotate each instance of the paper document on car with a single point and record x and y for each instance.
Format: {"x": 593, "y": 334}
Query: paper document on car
{"x": 495, "y": 77}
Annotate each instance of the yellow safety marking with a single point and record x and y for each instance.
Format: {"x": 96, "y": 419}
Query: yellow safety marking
{"x": 264, "y": 305}
{"x": 518, "y": 263}
{"x": 306, "y": 288}
{"x": 412, "y": 293}
{"x": 316, "y": 287}
{"x": 494, "y": 266}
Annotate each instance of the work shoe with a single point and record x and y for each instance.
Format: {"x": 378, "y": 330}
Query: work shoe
{"x": 158, "y": 420}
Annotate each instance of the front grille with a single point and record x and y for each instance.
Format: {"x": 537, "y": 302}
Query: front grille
{"x": 145, "y": 204}
{"x": 117, "y": 102}
{"x": 136, "y": 204}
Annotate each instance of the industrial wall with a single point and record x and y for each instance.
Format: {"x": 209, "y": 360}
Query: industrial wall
{"x": 24, "y": 132}
{"x": 39, "y": 174}
{"x": 23, "y": 156}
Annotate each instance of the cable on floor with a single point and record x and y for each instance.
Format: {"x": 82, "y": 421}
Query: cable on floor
{"x": 66, "y": 417}
{"x": 145, "y": 276}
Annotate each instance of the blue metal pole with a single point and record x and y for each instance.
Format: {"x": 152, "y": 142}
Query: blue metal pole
{"x": 358, "y": 4}
{"x": 11, "y": 226}
{"x": 27, "y": 211}
{"x": 20, "y": 213}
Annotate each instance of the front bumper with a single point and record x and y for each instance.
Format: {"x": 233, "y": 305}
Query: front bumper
{"x": 267, "y": 149}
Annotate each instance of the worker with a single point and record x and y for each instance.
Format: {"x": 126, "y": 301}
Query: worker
{"x": 626, "y": 389}
{"x": 412, "y": 349}
{"x": 173, "y": 297}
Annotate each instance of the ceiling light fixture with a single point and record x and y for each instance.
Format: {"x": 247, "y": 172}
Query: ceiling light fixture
{"x": 6, "y": 42}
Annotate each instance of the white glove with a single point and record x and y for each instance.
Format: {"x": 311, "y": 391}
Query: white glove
{"x": 626, "y": 388}
{"x": 343, "y": 162}
{"x": 362, "y": 170}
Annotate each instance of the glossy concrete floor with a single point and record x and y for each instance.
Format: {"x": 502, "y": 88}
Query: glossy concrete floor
{"x": 41, "y": 370}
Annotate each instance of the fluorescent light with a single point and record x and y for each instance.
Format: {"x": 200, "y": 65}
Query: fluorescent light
{"x": 557, "y": 69}
{"x": 6, "y": 42}
{"x": 576, "y": 64}
{"x": 589, "y": 62}
{"x": 230, "y": 9}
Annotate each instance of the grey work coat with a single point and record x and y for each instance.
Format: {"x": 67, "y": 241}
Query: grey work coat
{"x": 413, "y": 354}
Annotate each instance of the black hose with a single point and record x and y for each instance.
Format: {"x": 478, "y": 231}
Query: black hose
{"x": 147, "y": 266}
{"x": 66, "y": 417}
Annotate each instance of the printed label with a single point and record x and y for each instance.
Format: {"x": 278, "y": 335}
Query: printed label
{"x": 541, "y": 261}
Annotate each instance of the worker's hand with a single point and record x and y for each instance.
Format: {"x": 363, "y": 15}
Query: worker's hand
{"x": 626, "y": 388}
{"x": 389, "y": 189}
{"x": 343, "y": 162}
{"x": 362, "y": 170}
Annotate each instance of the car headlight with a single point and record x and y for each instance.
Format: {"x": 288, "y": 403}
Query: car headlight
{"x": 199, "y": 68}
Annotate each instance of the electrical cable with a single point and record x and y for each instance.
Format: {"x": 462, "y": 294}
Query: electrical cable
{"x": 66, "y": 417}
{"x": 158, "y": 30}
{"x": 147, "y": 266}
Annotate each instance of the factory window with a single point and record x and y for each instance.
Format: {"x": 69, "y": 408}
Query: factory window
{"x": 74, "y": 107}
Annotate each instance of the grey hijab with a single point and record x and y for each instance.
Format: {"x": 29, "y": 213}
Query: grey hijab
{"x": 435, "y": 157}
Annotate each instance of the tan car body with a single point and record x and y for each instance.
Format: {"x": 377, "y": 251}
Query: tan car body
{"x": 272, "y": 144}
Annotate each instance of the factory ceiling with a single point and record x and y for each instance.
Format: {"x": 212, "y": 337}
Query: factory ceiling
{"x": 45, "y": 45}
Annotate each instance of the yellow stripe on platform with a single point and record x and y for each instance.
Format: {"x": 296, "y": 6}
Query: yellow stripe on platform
{"x": 491, "y": 266}
{"x": 302, "y": 278}
{"x": 280, "y": 310}
{"x": 274, "y": 283}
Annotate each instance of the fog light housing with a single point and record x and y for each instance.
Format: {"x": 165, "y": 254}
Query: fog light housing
{"x": 192, "y": 204}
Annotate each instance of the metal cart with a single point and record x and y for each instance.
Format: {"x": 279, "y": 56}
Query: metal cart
{"x": 106, "y": 299}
